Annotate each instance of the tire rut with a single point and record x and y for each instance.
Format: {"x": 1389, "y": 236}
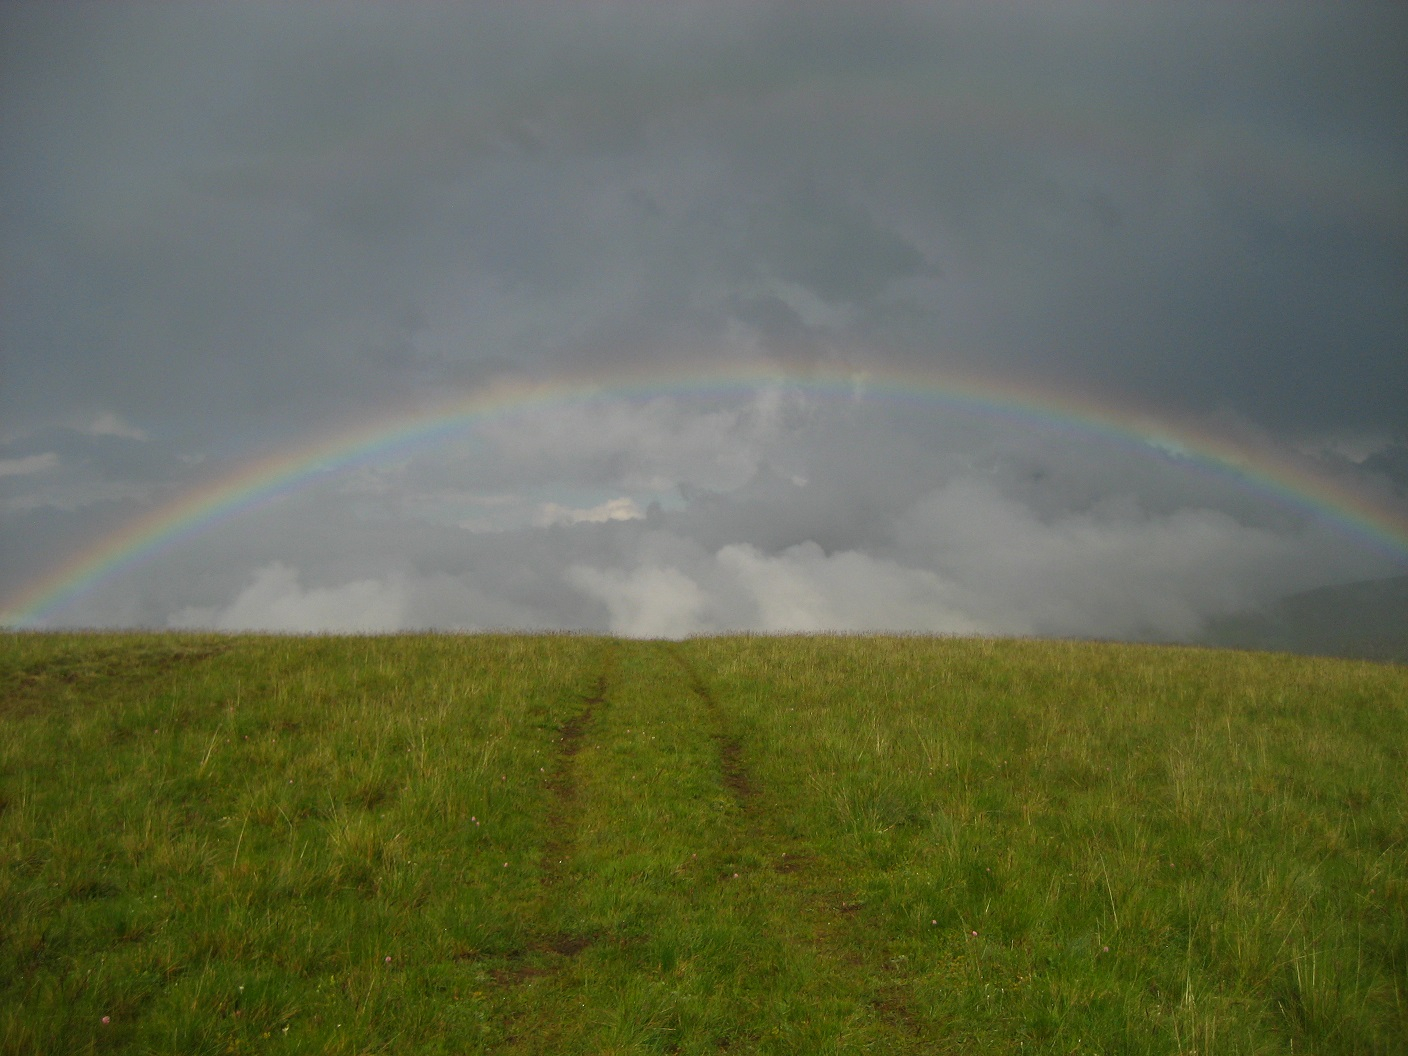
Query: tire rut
{"x": 735, "y": 772}
{"x": 562, "y": 782}
{"x": 890, "y": 1002}
{"x": 546, "y": 949}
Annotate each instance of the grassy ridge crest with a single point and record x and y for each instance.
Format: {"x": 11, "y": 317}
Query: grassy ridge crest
{"x": 499, "y": 843}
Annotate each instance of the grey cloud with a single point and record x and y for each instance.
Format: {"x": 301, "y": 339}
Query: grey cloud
{"x": 834, "y": 249}
{"x": 378, "y": 156}
{"x": 1099, "y": 573}
{"x": 1391, "y": 463}
{"x": 656, "y": 444}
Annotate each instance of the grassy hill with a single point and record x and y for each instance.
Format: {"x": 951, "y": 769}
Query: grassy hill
{"x": 441, "y": 844}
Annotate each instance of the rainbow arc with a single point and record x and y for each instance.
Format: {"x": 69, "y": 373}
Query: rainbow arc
{"x": 1289, "y": 481}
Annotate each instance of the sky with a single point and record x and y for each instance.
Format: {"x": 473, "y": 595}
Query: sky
{"x": 1015, "y": 318}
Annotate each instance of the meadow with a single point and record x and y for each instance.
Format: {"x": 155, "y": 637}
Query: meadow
{"x": 569, "y": 844}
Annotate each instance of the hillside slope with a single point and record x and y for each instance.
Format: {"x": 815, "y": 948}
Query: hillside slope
{"x": 434, "y": 844}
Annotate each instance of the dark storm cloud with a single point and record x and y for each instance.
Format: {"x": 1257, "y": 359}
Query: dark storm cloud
{"x": 253, "y": 190}
{"x": 227, "y": 228}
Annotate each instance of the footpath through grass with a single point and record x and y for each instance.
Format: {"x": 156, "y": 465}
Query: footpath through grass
{"x": 442, "y": 844}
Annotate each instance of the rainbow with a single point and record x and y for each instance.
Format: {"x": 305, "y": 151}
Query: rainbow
{"x": 1287, "y": 480}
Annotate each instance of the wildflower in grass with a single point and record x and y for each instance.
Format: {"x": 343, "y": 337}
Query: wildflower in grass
{"x": 107, "y": 1020}
{"x": 388, "y": 958}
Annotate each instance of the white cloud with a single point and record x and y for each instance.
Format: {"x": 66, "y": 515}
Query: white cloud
{"x": 805, "y": 589}
{"x": 966, "y": 559}
{"x": 739, "y": 588}
{"x": 109, "y": 424}
{"x": 646, "y": 603}
{"x": 277, "y": 601}
{"x": 29, "y": 464}
{"x": 619, "y": 509}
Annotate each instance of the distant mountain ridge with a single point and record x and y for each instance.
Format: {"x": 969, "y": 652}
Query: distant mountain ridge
{"x": 1366, "y": 620}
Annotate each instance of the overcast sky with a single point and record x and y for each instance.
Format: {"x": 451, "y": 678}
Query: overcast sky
{"x": 228, "y": 230}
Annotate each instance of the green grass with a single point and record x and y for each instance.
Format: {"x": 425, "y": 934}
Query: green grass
{"x": 779, "y": 845}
